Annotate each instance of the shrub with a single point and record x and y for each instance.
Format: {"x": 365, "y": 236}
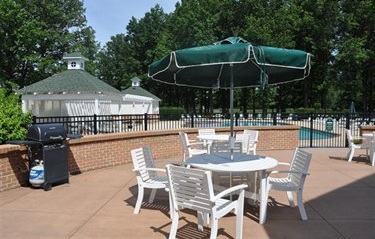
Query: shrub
{"x": 13, "y": 123}
{"x": 171, "y": 113}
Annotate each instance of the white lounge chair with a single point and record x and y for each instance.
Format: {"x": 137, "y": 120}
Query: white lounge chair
{"x": 192, "y": 189}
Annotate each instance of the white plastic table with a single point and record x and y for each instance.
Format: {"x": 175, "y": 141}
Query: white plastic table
{"x": 221, "y": 162}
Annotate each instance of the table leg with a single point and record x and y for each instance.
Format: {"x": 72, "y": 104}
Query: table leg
{"x": 263, "y": 197}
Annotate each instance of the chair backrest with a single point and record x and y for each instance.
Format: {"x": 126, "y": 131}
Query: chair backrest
{"x": 224, "y": 147}
{"x": 206, "y": 131}
{"x": 349, "y": 136}
{"x": 254, "y": 134}
{"x": 245, "y": 140}
{"x": 142, "y": 158}
{"x": 184, "y": 141}
{"x": 190, "y": 188}
{"x": 300, "y": 163}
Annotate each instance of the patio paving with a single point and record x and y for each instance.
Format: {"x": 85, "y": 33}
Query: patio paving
{"x": 339, "y": 199}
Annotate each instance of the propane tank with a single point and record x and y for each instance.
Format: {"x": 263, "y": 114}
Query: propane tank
{"x": 36, "y": 177}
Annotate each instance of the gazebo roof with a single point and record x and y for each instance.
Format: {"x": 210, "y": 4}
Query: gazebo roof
{"x": 70, "y": 82}
{"x": 139, "y": 91}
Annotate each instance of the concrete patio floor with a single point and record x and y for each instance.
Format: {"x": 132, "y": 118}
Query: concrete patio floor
{"x": 339, "y": 199}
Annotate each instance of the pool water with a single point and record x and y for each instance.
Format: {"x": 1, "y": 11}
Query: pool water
{"x": 304, "y": 134}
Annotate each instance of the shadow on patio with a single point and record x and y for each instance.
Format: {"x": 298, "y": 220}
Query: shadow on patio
{"x": 99, "y": 204}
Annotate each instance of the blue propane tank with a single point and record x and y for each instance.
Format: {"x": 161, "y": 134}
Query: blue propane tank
{"x": 36, "y": 177}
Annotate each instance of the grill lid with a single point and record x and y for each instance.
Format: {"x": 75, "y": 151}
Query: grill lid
{"x": 47, "y": 133}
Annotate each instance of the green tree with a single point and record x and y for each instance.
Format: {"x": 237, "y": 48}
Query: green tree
{"x": 35, "y": 36}
{"x": 354, "y": 62}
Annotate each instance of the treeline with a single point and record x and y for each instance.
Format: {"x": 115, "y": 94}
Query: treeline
{"x": 339, "y": 34}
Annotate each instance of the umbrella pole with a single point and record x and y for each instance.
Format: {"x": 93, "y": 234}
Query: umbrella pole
{"x": 231, "y": 96}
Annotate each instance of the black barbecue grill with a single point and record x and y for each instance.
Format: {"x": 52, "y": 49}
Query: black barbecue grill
{"x": 47, "y": 142}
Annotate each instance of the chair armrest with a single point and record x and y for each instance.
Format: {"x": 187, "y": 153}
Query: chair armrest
{"x": 198, "y": 143}
{"x": 289, "y": 171}
{"x": 228, "y": 191}
{"x": 150, "y": 169}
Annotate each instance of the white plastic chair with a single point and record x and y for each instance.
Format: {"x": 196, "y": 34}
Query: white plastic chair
{"x": 206, "y": 131}
{"x": 295, "y": 179}
{"x": 192, "y": 188}
{"x": 147, "y": 175}
{"x": 354, "y": 145}
{"x": 224, "y": 180}
{"x": 254, "y": 134}
{"x": 244, "y": 139}
{"x": 190, "y": 149}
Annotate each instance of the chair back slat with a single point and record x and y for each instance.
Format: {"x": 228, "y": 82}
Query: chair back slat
{"x": 142, "y": 158}
{"x": 190, "y": 188}
{"x": 224, "y": 147}
{"x": 300, "y": 163}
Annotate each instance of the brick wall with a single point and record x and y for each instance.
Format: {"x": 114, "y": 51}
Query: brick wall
{"x": 106, "y": 150}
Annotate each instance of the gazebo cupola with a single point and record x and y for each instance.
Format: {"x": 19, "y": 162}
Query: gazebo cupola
{"x": 136, "y": 81}
{"x": 75, "y": 61}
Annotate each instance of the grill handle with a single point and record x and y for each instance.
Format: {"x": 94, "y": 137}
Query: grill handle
{"x": 56, "y": 137}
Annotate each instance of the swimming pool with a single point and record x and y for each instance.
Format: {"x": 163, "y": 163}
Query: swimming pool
{"x": 304, "y": 134}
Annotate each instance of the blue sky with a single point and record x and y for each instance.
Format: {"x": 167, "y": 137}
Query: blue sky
{"x": 110, "y": 17}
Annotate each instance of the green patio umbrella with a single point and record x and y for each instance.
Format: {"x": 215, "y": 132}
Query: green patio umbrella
{"x": 231, "y": 63}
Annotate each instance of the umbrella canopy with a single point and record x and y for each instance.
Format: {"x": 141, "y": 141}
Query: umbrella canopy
{"x": 231, "y": 63}
{"x": 213, "y": 66}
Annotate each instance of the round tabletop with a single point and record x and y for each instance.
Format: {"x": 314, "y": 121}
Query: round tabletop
{"x": 214, "y": 137}
{"x": 241, "y": 162}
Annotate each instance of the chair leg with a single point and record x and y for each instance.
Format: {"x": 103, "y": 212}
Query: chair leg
{"x": 139, "y": 199}
{"x": 290, "y": 198}
{"x": 239, "y": 215}
{"x": 152, "y": 195}
{"x": 202, "y": 220}
{"x": 301, "y": 207}
{"x": 174, "y": 225}
{"x": 350, "y": 154}
{"x": 214, "y": 227}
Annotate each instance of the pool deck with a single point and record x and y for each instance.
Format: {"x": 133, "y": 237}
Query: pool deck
{"x": 339, "y": 199}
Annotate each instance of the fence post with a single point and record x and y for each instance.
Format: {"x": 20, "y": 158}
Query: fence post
{"x": 192, "y": 120}
{"x": 274, "y": 116}
{"x": 95, "y": 124}
{"x": 145, "y": 121}
{"x": 311, "y": 129}
{"x": 34, "y": 119}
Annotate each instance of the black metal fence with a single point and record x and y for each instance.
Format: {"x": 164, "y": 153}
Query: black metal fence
{"x": 317, "y": 130}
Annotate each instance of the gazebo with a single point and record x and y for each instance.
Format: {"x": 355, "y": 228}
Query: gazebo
{"x": 138, "y": 100}
{"x": 73, "y": 92}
